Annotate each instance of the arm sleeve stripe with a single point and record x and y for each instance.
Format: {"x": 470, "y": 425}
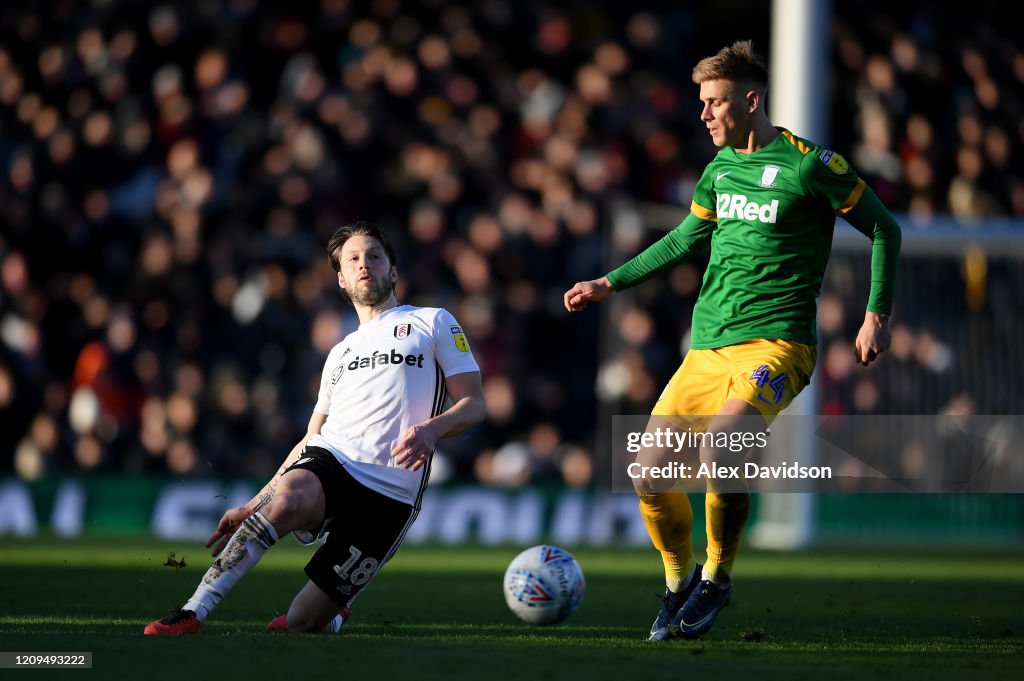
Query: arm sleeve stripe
{"x": 702, "y": 212}
{"x": 804, "y": 149}
{"x": 852, "y": 199}
{"x": 440, "y": 391}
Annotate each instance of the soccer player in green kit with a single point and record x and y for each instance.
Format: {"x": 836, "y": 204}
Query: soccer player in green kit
{"x": 767, "y": 204}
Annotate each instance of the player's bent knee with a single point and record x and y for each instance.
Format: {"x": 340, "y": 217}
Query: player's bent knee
{"x": 290, "y": 511}
{"x": 308, "y": 621}
{"x": 643, "y": 487}
{"x": 298, "y": 503}
{"x": 311, "y": 610}
{"x": 298, "y": 624}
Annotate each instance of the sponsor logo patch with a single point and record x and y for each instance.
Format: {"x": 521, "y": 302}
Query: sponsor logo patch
{"x": 740, "y": 207}
{"x": 381, "y": 358}
{"x": 836, "y": 163}
{"x": 460, "y": 339}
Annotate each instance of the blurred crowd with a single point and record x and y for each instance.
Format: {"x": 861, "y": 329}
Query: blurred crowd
{"x": 170, "y": 174}
{"x": 936, "y": 101}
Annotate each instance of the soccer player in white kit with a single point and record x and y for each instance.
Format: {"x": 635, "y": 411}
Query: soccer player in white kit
{"x": 359, "y": 472}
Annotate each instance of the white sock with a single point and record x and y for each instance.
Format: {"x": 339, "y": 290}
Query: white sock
{"x": 334, "y": 626}
{"x": 677, "y": 585}
{"x": 720, "y": 580}
{"x": 245, "y": 549}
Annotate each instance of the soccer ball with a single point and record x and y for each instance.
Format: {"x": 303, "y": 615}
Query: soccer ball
{"x": 543, "y": 585}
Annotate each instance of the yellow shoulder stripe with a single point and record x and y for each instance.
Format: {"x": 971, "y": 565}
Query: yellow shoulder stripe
{"x": 798, "y": 143}
{"x": 702, "y": 212}
{"x": 852, "y": 199}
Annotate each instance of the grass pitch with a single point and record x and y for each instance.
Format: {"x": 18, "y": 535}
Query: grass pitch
{"x": 439, "y": 613}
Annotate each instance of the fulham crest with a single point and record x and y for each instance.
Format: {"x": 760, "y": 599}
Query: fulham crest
{"x": 401, "y": 331}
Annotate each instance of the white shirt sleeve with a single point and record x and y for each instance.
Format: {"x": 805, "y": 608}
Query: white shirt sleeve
{"x": 323, "y": 398}
{"x": 451, "y": 348}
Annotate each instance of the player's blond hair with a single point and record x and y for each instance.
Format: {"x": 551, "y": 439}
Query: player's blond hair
{"x": 735, "y": 62}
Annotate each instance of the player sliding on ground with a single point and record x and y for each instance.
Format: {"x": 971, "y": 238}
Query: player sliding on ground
{"x": 767, "y": 205}
{"x": 360, "y": 471}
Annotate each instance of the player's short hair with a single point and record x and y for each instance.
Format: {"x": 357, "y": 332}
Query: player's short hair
{"x": 735, "y": 62}
{"x": 360, "y": 228}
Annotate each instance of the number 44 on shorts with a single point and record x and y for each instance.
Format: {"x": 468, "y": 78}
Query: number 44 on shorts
{"x": 762, "y": 377}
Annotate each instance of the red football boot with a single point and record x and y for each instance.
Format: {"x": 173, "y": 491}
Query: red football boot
{"x": 280, "y": 623}
{"x": 179, "y": 622}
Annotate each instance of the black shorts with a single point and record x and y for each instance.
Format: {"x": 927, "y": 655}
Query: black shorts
{"x": 366, "y": 528}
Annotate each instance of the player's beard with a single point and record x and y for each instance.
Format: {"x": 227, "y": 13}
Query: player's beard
{"x": 372, "y": 295}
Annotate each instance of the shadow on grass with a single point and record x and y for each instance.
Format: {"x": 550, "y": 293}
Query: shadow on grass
{"x": 455, "y": 625}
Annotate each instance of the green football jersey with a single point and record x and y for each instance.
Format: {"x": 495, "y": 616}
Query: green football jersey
{"x": 769, "y": 216}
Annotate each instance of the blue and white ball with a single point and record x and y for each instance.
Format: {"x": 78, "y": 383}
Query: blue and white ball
{"x": 543, "y": 585}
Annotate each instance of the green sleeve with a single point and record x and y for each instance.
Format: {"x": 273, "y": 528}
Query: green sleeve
{"x": 873, "y": 219}
{"x": 682, "y": 243}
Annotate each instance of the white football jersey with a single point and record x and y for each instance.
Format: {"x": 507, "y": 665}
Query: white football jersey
{"x": 385, "y": 376}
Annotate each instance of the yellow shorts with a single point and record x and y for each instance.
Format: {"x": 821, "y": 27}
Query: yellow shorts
{"x": 766, "y": 374}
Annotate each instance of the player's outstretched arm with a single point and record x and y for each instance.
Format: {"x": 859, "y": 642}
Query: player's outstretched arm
{"x": 416, "y": 445}
{"x": 233, "y": 518}
{"x": 585, "y": 292}
{"x": 680, "y": 244}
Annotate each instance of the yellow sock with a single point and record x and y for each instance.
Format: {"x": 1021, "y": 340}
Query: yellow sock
{"x": 726, "y": 515}
{"x": 669, "y": 521}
